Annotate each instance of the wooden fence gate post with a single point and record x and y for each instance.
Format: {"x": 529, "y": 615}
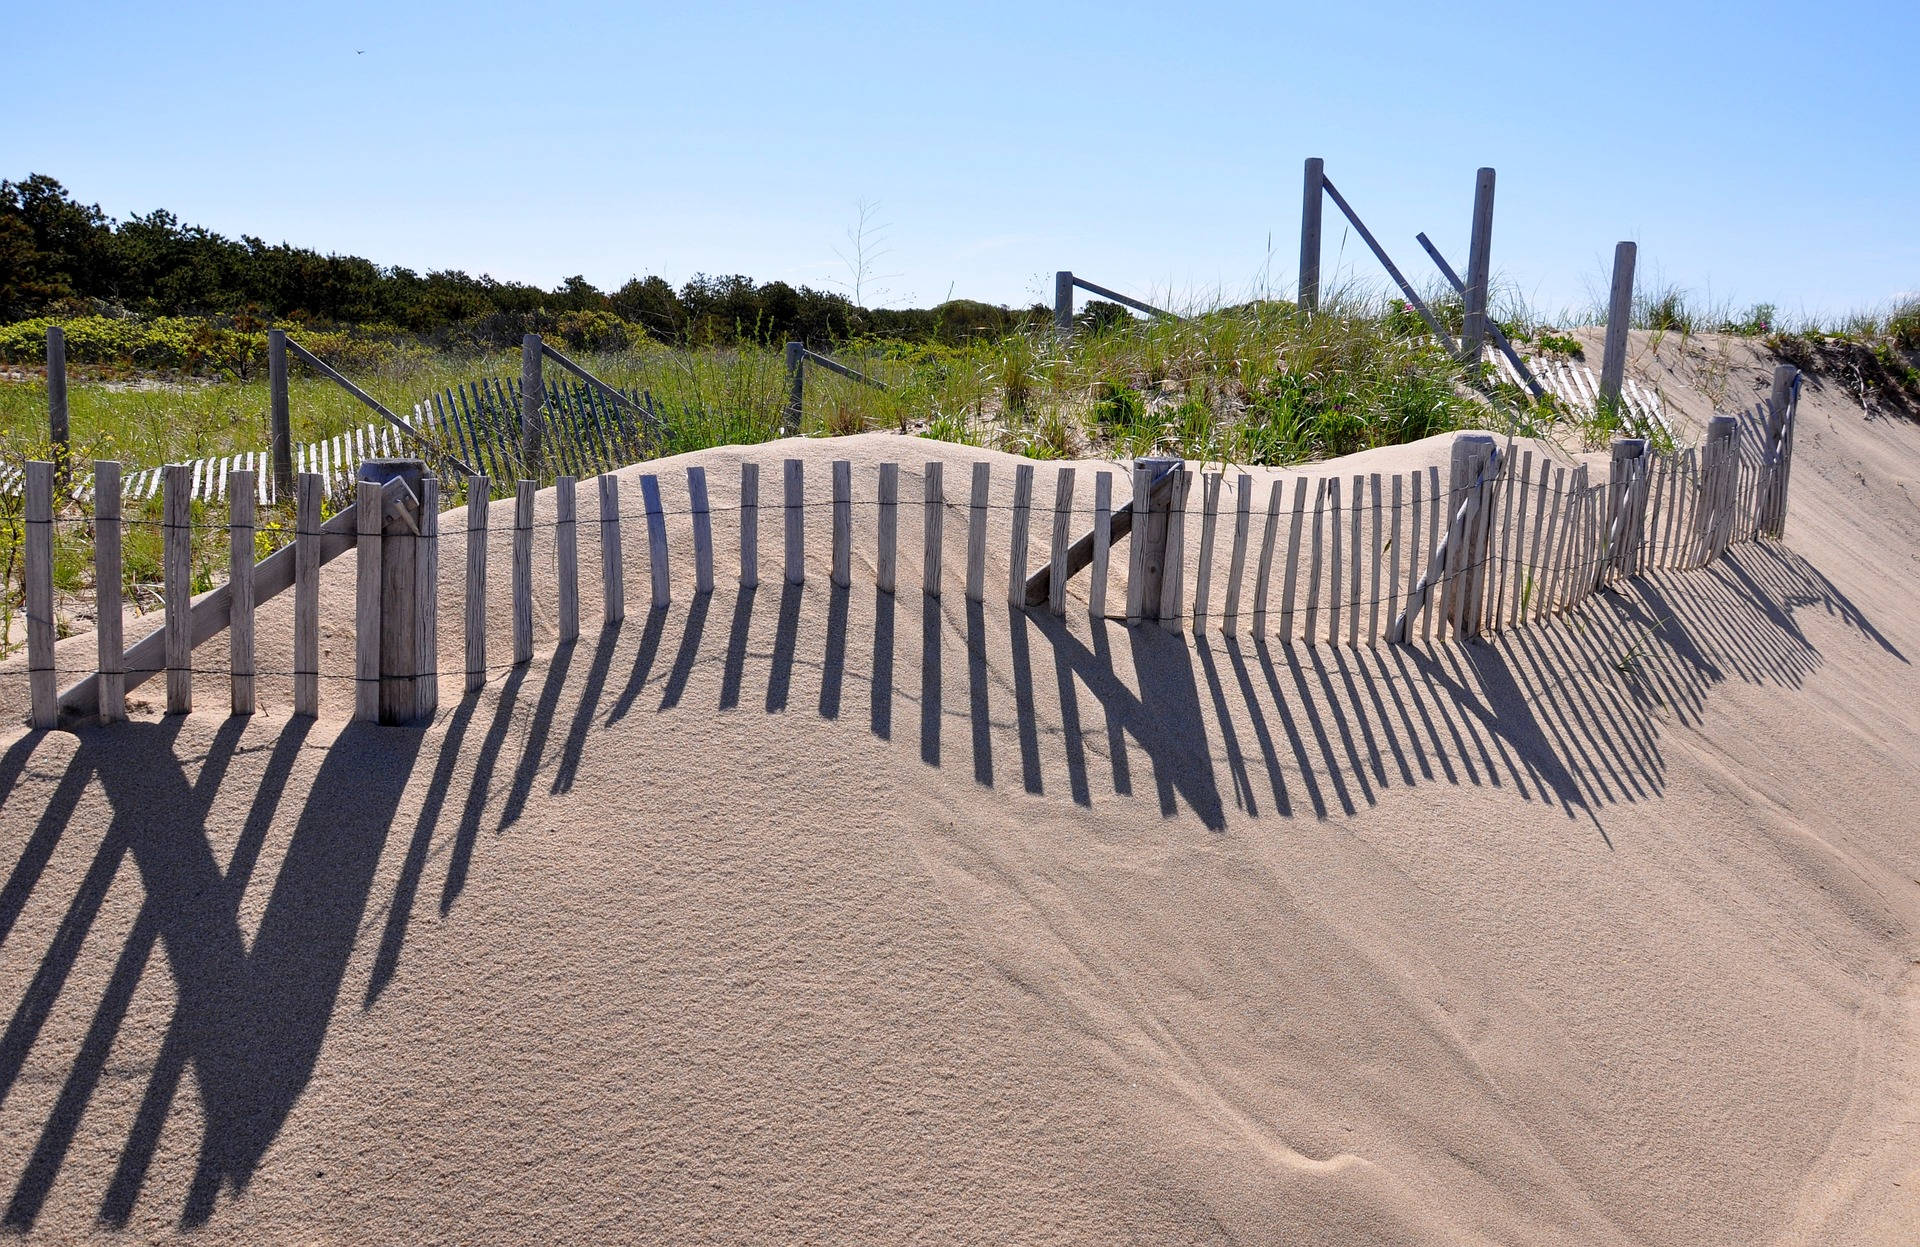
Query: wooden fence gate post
{"x": 1613, "y": 360}
{"x": 1311, "y": 200}
{"x": 397, "y": 602}
{"x": 532, "y": 398}
{"x": 279, "y": 422}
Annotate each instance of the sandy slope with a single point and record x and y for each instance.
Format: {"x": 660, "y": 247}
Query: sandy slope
{"x": 734, "y": 924}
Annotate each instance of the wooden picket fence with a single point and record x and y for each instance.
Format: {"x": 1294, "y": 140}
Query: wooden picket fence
{"x": 1503, "y": 541}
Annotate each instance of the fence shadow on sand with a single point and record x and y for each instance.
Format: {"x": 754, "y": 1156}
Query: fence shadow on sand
{"x": 1570, "y": 713}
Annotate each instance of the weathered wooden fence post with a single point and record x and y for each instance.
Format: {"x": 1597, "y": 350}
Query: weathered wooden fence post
{"x": 1473, "y": 325}
{"x": 1720, "y": 465}
{"x": 1150, "y": 537}
{"x": 532, "y": 398}
{"x": 392, "y": 672}
{"x": 1063, "y": 303}
{"x": 106, "y": 583}
{"x": 1311, "y": 200}
{"x": 1625, "y": 472}
{"x": 279, "y": 421}
{"x": 57, "y": 426}
{"x": 44, "y": 693}
{"x": 1613, "y": 359}
{"x": 796, "y": 388}
{"x": 241, "y": 487}
{"x": 1777, "y": 454}
{"x": 176, "y": 560}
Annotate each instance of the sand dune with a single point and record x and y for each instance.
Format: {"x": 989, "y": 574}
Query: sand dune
{"x": 810, "y": 916}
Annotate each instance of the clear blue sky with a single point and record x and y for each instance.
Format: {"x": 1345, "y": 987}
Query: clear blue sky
{"x": 1773, "y": 156}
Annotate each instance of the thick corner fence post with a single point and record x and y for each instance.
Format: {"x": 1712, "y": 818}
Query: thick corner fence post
{"x": 1613, "y": 358}
{"x": 395, "y": 672}
{"x": 1150, "y": 536}
{"x": 1063, "y": 303}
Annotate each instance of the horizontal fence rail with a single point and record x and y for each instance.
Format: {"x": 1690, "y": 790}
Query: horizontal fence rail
{"x": 1503, "y": 540}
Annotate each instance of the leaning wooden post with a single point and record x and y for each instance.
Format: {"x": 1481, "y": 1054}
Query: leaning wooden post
{"x": 1313, "y": 197}
{"x": 43, "y": 690}
{"x": 532, "y": 399}
{"x": 796, "y": 388}
{"x": 1063, "y": 303}
{"x": 1473, "y": 326}
{"x": 657, "y": 550}
{"x": 279, "y": 421}
{"x": 1613, "y": 359}
{"x": 106, "y": 587}
{"x": 240, "y": 492}
{"x": 176, "y": 526}
{"x": 57, "y": 401}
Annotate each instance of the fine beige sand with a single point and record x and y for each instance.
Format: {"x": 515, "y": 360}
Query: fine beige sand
{"x": 803, "y": 916}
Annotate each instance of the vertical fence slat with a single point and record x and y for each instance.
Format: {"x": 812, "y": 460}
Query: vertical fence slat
{"x": 796, "y": 528}
{"x": 177, "y": 569}
{"x": 566, "y": 552}
{"x": 1102, "y": 544}
{"x": 1062, "y": 540}
{"x": 1375, "y": 555}
{"x": 1391, "y": 555}
{"x": 613, "y": 583}
{"x": 240, "y": 588}
{"x": 1355, "y": 555}
{"x": 1237, "y": 564}
{"x": 749, "y": 525}
{"x": 1017, "y": 552}
{"x": 888, "y": 526}
{"x": 657, "y": 555}
{"x": 1203, "y": 568}
{"x": 1270, "y": 534}
{"x": 934, "y": 529}
{"x": 702, "y": 514}
{"x": 43, "y": 690}
{"x": 106, "y": 581}
{"x": 1334, "y": 552}
{"x": 1173, "y": 576}
{"x": 842, "y": 522}
{"x": 1438, "y": 504}
{"x": 1287, "y": 586}
{"x": 977, "y": 534}
{"x": 308, "y": 488}
{"x": 1137, "y": 545}
{"x": 366, "y": 613}
{"x": 478, "y": 488}
{"x": 523, "y": 571}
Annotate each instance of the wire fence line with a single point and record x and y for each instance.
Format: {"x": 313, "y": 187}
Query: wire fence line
{"x": 1339, "y": 558}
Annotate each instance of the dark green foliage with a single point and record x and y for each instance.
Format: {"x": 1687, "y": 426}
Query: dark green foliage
{"x": 1561, "y": 345}
{"x": 59, "y": 257}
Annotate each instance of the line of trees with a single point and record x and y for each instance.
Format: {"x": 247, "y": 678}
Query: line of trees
{"x": 59, "y": 256}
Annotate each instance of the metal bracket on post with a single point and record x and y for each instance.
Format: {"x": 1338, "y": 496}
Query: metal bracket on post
{"x": 407, "y": 599}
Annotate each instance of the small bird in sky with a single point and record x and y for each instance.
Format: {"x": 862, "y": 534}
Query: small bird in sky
{"x": 359, "y": 51}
